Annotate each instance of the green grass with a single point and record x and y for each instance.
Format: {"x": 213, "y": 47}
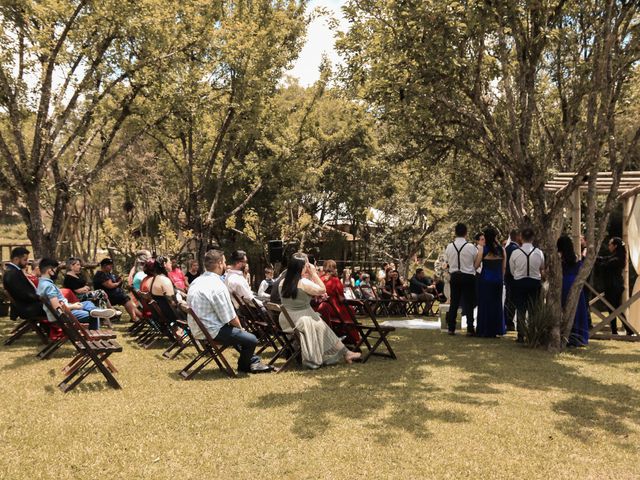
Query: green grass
{"x": 449, "y": 407}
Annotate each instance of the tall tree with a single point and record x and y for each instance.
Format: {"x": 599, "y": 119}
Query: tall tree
{"x": 524, "y": 87}
{"x": 72, "y": 73}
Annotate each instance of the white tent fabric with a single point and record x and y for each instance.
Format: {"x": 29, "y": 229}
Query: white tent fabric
{"x": 633, "y": 230}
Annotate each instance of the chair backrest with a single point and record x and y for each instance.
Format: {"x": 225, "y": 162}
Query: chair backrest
{"x": 64, "y": 321}
{"x": 369, "y": 293}
{"x": 281, "y": 309}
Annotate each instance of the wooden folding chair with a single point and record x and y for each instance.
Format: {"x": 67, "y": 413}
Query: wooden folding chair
{"x": 170, "y": 329}
{"x": 264, "y": 328}
{"x": 210, "y": 350}
{"x": 373, "y": 335}
{"x": 279, "y": 338}
{"x": 27, "y": 325}
{"x": 91, "y": 354}
{"x": 294, "y": 347}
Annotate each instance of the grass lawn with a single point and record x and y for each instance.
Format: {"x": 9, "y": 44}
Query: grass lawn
{"x": 449, "y": 407}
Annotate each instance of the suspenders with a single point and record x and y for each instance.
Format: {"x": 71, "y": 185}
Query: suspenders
{"x": 528, "y": 259}
{"x": 459, "y": 251}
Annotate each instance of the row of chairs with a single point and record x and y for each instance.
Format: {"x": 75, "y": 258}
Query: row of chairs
{"x": 94, "y": 347}
{"x": 387, "y": 307}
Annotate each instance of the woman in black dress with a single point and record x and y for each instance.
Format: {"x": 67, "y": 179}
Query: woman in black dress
{"x": 74, "y": 280}
{"x": 612, "y": 269}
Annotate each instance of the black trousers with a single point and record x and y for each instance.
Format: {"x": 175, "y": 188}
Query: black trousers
{"x": 526, "y": 295}
{"x": 509, "y": 305}
{"x": 614, "y": 297}
{"x": 463, "y": 293}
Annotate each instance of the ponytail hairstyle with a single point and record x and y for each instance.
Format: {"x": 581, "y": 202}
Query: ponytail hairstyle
{"x": 491, "y": 241}
{"x": 621, "y": 251}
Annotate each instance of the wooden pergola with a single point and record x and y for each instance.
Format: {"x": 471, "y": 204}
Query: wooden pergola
{"x": 629, "y": 189}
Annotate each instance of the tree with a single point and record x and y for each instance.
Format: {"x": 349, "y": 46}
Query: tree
{"x": 524, "y": 88}
{"x": 219, "y": 96}
{"x": 72, "y": 73}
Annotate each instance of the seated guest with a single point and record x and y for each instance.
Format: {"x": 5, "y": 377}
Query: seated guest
{"x": 106, "y": 280}
{"x": 75, "y": 281}
{"x": 140, "y": 275}
{"x": 176, "y": 275}
{"x": 193, "y": 271}
{"x": 210, "y": 300}
{"x": 347, "y": 281}
{"x": 33, "y": 272}
{"x": 366, "y": 289}
{"x": 264, "y": 291}
{"x": 320, "y": 346}
{"x": 274, "y": 297}
{"x": 393, "y": 288}
{"x": 421, "y": 287}
{"x": 141, "y": 257}
{"x": 333, "y": 307}
{"x": 85, "y": 312}
{"x": 236, "y": 280}
{"x": 162, "y": 289}
{"x": 25, "y": 302}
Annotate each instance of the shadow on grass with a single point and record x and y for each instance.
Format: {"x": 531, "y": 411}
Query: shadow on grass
{"x": 391, "y": 397}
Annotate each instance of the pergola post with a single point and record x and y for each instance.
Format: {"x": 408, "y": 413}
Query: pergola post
{"x": 627, "y": 206}
{"x": 576, "y": 216}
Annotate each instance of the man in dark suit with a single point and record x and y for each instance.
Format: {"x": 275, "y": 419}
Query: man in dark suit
{"x": 25, "y": 302}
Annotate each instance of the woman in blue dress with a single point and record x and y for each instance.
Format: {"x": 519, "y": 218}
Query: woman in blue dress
{"x": 492, "y": 257}
{"x": 570, "y": 267}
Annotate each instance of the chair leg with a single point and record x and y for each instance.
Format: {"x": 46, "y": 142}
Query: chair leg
{"x": 22, "y": 328}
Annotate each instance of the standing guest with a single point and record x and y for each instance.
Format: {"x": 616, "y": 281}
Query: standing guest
{"x": 421, "y": 287}
{"x": 85, "y": 312}
{"x": 176, "y": 275}
{"x": 193, "y": 271}
{"x": 210, "y": 300}
{"x": 141, "y": 258}
{"x": 320, "y": 346}
{"x": 75, "y": 281}
{"x": 105, "y": 279}
{"x": 461, "y": 256}
{"x": 570, "y": 268}
{"x": 25, "y": 302}
{"x": 333, "y": 307}
{"x": 236, "y": 281}
{"x": 613, "y": 269}
{"x": 527, "y": 266}
{"x": 264, "y": 291}
{"x": 515, "y": 239}
{"x": 493, "y": 259}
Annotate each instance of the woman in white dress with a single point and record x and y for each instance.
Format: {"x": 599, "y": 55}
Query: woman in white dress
{"x": 320, "y": 346}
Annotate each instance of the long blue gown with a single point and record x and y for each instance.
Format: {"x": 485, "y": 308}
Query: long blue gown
{"x": 490, "y": 310}
{"x": 580, "y": 332}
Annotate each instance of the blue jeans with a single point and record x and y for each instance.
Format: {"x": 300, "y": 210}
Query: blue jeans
{"x": 84, "y": 317}
{"x": 244, "y": 342}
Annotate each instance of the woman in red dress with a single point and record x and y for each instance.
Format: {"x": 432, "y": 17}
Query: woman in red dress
{"x": 333, "y": 309}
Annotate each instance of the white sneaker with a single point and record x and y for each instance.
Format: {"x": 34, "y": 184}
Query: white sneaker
{"x": 102, "y": 312}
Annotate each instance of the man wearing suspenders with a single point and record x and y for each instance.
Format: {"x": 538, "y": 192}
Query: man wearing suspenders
{"x": 509, "y": 306}
{"x": 460, "y": 257}
{"x": 526, "y": 265}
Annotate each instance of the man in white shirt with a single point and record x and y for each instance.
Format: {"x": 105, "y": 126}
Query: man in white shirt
{"x": 460, "y": 256}
{"x": 235, "y": 279}
{"x": 515, "y": 239}
{"x": 210, "y": 300}
{"x": 527, "y": 267}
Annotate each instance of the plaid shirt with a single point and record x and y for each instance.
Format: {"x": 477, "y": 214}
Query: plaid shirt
{"x": 210, "y": 300}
